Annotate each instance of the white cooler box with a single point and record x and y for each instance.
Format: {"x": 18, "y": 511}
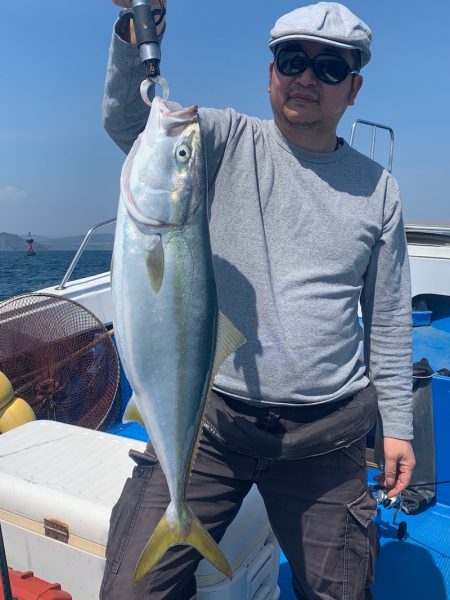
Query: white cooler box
{"x": 58, "y": 484}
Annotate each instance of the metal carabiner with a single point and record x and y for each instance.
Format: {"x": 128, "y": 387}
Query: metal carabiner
{"x": 158, "y": 80}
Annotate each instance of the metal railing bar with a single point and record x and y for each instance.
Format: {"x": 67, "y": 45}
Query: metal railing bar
{"x": 372, "y": 147}
{"x": 438, "y": 230}
{"x": 80, "y": 251}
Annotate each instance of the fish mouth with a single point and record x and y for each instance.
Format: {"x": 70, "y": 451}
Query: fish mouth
{"x": 177, "y": 118}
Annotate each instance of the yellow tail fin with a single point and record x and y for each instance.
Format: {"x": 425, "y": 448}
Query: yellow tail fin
{"x": 185, "y": 530}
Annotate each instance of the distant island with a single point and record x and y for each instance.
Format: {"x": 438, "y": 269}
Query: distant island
{"x": 10, "y": 242}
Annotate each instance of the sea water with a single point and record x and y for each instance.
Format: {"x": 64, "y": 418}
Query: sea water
{"x": 21, "y": 274}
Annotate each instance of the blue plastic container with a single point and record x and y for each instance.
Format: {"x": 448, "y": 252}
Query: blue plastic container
{"x": 421, "y": 318}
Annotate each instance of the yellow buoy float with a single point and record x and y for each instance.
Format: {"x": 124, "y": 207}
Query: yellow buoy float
{"x": 14, "y": 411}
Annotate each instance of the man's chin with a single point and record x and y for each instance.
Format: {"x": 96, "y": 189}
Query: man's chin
{"x": 299, "y": 119}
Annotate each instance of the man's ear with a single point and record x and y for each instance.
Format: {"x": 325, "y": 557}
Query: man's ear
{"x": 356, "y": 86}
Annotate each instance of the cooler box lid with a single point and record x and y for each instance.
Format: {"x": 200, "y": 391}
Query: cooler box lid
{"x": 60, "y": 472}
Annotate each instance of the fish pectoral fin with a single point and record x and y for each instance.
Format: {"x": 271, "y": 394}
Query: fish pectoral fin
{"x": 154, "y": 259}
{"x": 167, "y": 534}
{"x": 229, "y": 338}
{"x": 132, "y": 413}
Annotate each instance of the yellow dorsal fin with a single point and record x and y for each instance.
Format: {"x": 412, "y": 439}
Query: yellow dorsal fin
{"x": 229, "y": 338}
{"x": 132, "y": 413}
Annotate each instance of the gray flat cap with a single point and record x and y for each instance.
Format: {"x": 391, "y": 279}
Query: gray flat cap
{"x": 327, "y": 22}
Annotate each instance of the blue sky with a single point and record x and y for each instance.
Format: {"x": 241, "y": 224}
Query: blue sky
{"x": 59, "y": 171}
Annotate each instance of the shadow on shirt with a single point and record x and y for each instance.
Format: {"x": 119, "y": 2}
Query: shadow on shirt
{"x": 237, "y": 300}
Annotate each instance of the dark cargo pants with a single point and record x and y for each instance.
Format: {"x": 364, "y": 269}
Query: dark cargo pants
{"x": 319, "y": 509}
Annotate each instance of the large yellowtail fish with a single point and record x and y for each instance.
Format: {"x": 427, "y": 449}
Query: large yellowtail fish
{"x": 171, "y": 336}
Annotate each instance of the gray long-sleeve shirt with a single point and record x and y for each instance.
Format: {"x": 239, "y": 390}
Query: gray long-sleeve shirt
{"x": 298, "y": 239}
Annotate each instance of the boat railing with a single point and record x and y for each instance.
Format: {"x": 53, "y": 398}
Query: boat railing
{"x": 375, "y": 126}
{"x": 80, "y": 251}
{"x": 427, "y": 235}
{"x": 417, "y": 233}
{"x": 433, "y": 229}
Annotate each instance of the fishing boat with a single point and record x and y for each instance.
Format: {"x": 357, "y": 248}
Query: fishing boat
{"x": 59, "y": 480}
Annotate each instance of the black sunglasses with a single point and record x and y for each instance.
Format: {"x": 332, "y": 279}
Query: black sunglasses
{"x": 329, "y": 68}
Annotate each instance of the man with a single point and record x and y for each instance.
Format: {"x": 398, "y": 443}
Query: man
{"x": 302, "y": 228}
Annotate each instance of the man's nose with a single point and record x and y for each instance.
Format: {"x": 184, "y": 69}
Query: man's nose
{"x": 307, "y": 78}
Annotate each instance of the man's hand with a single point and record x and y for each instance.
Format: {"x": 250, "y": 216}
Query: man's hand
{"x": 399, "y": 463}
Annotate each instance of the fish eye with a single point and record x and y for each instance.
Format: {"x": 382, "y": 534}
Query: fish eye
{"x": 183, "y": 153}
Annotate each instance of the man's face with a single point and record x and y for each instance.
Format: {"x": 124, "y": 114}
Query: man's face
{"x": 304, "y": 101}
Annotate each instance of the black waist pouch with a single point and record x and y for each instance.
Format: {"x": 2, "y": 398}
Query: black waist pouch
{"x": 287, "y": 432}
